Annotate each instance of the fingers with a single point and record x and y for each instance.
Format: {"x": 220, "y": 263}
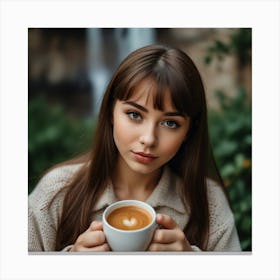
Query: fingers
{"x": 93, "y": 239}
{"x": 101, "y": 248}
{"x": 166, "y": 221}
{"x": 169, "y": 240}
{"x": 172, "y": 247}
{"x": 95, "y": 225}
{"x": 168, "y": 236}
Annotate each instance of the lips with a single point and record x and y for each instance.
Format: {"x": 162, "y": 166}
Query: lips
{"x": 143, "y": 157}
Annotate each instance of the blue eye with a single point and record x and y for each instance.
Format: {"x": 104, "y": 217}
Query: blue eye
{"x": 134, "y": 116}
{"x": 170, "y": 124}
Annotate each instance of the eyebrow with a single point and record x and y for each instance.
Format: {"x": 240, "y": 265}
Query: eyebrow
{"x": 140, "y": 107}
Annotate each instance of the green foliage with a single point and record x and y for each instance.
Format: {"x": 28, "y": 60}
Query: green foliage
{"x": 53, "y": 136}
{"x": 239, "y": 44}
{"x": 230, "y": 132}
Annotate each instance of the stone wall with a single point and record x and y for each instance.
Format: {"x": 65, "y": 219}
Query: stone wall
{"x": 225, "y": 75}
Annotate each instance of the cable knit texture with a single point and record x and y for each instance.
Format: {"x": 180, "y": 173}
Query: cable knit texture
{"x": 43, "y": 221}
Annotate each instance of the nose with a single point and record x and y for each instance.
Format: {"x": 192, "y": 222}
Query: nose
{"x": 148, "y": 136}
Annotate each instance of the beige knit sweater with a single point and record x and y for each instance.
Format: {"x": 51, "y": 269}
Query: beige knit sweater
{"x": 42, "y": 222}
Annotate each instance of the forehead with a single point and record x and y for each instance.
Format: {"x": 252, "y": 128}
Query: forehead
{"x": 147, "y": 94}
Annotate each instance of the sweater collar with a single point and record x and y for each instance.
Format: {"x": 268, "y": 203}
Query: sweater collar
{"x": 165, "y": 194}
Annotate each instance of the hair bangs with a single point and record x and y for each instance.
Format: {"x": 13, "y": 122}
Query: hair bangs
{"x": 167, "y": 75}
{"x": 180, "y": 96}
{"x": 157, "y": 87}
{"x": 125, "y": 84}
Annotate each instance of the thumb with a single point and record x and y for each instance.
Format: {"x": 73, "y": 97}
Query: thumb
{"x": 166, "y": 221}
{"x": 96, "y": 225}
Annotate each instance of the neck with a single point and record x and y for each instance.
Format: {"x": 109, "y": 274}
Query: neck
{"x": 129, "y": 184}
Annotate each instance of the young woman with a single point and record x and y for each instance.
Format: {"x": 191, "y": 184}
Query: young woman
{"x": 151, "y": 144}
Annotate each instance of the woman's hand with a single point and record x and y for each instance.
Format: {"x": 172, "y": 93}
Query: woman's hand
{"x": 93, "y": 239}
{"x": 170, "y": 237}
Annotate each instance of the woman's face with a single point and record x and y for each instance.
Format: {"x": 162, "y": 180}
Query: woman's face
{"x": 147, "y": 138}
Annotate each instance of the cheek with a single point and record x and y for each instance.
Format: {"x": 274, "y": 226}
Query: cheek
{"x": 122, "y": 133}
{"x": 172, "y": 146}
{"x": 118, "y": 133}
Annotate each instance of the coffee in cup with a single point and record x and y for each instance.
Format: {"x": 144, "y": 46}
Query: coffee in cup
{"x": 129, "y": 217}
{"x": 129, "y": 225}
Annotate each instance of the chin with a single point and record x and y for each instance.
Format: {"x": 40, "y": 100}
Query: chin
{"x": 143, "y": 169}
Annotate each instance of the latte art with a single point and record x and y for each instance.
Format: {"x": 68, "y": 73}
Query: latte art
{"x": 129, "y": 222}
{"x": 129, "y": 218}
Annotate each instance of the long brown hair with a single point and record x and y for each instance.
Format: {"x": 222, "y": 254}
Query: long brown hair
{"x": 171, "y": 69}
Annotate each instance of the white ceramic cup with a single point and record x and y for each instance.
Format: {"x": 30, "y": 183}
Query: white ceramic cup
{"x": 129, "y": 240}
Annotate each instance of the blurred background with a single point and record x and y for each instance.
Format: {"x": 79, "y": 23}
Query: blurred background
{"x": 69, "y": 69}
